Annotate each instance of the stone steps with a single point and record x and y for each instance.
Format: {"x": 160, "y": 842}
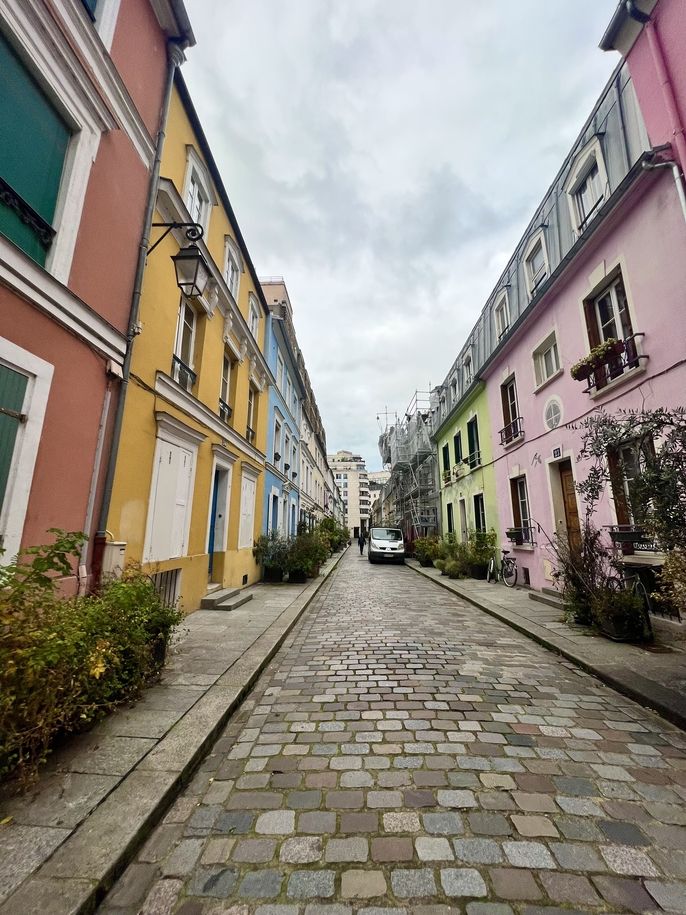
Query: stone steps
{"x": 233, "y": 603}
{"x": 214, "y": 597}
{"x": 545, "y": 597}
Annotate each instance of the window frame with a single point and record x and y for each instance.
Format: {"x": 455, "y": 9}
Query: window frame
{"x": 512, "y": 420}
{"x": 185, "y": 306}
{"x": 538, "y": 356}
{"x": 232, "y": 255}
{"x": 590, "y": 157}
{"x": 502, "y": 306}
{"x": 253, "y": 317}
{"x": 196, "y": 169}
{"x": 474, "y": 456}
{"x": 535, "y": 281}
{"x": 516, "y": 490}
{"x": 457, "y": 447}
{"x": 467, "y": 369}
{"x": 479, "y": 515}
{"x": 276, "y": 444}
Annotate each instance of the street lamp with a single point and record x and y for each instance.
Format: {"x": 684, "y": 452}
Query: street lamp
{"x": 192, "y": 270}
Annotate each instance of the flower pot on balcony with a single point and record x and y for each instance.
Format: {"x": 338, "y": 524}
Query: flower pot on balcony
{"x": 582, "y": 371}
{"x": 515, "y": 535}
{"x": 637, "y": 535}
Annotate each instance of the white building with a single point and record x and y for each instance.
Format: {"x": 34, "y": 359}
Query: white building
{"x": 350, "y": 473}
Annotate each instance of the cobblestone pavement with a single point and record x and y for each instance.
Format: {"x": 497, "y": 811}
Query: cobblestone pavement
{"x": 406, "y": 753}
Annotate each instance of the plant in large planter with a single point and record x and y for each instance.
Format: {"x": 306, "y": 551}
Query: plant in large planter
{"x": 270, "y": 551}
{"x": 600, "y": 355}
{"x": 481, "y": 546}
{"x": 306, "y": 553}
{"x": 426, "y": 550}
{"x": 620, "y": 615}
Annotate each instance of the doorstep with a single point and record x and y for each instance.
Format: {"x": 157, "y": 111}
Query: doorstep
{"x": 646, "y": 676}
{"x": 100, "y": 796}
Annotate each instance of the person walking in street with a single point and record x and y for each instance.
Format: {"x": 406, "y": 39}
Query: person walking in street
{"x": 360, "y": 542}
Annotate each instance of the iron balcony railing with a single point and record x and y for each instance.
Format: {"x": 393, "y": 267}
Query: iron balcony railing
{"x": 225, "y": 411}
{"x": 183, "y": 373}
{"x": 512, "y": 431}
{"x": 614, "y": 365}
{"x": 473, "y": 459}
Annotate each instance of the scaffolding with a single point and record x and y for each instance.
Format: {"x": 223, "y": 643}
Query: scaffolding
{"x": 410, "y": 497}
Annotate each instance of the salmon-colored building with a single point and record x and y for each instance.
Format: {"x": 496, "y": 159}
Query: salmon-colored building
{"x": 84, "y": 89}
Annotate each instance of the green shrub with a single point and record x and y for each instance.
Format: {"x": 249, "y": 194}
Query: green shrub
{"x": 672, "y": 581}
{"x": 481, "y": 546}
{"x": 453, "y": 569}
{"x": 441, "y": 564}
{"x": 306, "y": 553}
{"x": 270, "y": 550}
{"x": 65, "y": 662}
{"x": 426, "y": 548}
{"x": 619, "y": 614}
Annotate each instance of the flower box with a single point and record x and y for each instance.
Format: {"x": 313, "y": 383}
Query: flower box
{"x": 516, "y": 535}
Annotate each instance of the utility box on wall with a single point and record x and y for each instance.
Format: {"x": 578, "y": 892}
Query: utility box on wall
{"x": 113, "y": 559}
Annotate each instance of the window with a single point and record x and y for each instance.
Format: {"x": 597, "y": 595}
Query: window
{"x": 91, "y": 6}
{"x": 171, "y": 490}
{"x": 253, "y": 319}
{"x": 589, "y": 196}
{"x": 446, "y": 459}
{"x": 520, "y": 507}
{"x": 585, "y": 185}
{"x": 225, "y": 397}
{"x": 183, "y": 361}
{"x": 277, "y": 444}
{"x": 451, "y": 523}
{"x": 457, "y": 447}
{"x": 546, "y": 360}
{"x": 467, "y": 369}
{"x": 279, "y": 372}
{"x": 625, "y": 464}
{"x": 25, "y": 382}
{"x": 453, "y": 391}
{"x": 502, "y": 316}
{"x": 536, "y": 264}
{"x": 474, "y": 457}
{"x": 552, "y": 414}
{"x": 513, "y": 427}
{"x": 247, "y": 517}
{"x": 286, "y": 451}
{"x": 31, "y": 165}
{"x": 479, "y": 512}
{"x": 289, "y": 389}
{"x": 608, "y": 318}
{"x": 232, "y": 270}
{"x": 252, "y": 414}
{"x": 197, "y": 191}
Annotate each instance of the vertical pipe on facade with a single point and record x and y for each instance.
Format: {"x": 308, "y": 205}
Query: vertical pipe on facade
{"x": 95, "y": 475}
{"x": 175, "y": 59}
{"x": 667, "y": 92}
{"x": 622, "y": 122}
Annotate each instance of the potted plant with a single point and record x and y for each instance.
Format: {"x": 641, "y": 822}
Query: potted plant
{"x": 426, "y": 550}
{"x": 515, "y": 535}
{"x": 306, "y": 553}
{"x": 270, "y": 552}
{"x": 620, "y": 615}
{"x": 600, "y": 355}
{"x": 628, "y": 533}
{"x": 481, "y": 546}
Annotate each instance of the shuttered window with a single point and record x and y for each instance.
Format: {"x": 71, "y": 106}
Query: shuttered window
{"x": 33, "y": 146}
{"x": 247, "y": 524}
{"x": 171, "y": 502}
{"x": 12, "y": 393}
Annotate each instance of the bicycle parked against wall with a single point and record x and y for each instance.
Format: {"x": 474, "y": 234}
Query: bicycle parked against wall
{"x": 505, "y": 572}
{"x": 631, "y": 581}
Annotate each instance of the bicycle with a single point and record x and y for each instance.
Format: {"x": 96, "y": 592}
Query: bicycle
{"x": 633, "y": 583}
{"x": 506, "y": 571}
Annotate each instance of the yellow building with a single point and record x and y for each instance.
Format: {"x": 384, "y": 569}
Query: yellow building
{"x": 187, "y": 493}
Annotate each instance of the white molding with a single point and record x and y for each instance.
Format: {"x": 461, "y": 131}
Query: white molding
{"x": 26, "y": 446}
{"x": 224, "y": 460}
{"x": 195, "y": 164}
{"x": 590, "y": 154}
{"x": 166, "y": 387}
{"x": 175, "y": 432}
{"x": 106, "y": 15}
{"x": 29, "y": 280}
{"x": 538, "y": 235}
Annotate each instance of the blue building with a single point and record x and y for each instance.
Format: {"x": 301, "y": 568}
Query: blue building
{"x": 282, "y": 485}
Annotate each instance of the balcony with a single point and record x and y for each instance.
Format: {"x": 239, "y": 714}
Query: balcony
{"x": 447, "y": 476}
{"x": 457, "y": 471}
{"x": 183, "y": 374}
{"x": 512, "y": 432}
{"x": 225, "y": 411}
{"x": 473, "y": 459}
{"x": 607, "y": 363}
{"x": 520, "y": 536}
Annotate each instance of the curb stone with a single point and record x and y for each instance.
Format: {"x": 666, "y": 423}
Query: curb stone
{"x": 75, "y": 879}
{"x": 652, "y": 695}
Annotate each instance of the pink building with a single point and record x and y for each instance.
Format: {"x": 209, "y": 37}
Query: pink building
{"x": 83, "y": 90}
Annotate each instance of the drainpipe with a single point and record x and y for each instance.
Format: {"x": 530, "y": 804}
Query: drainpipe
{"x": 678, "y": 180}
{"x": 175, "y": 59}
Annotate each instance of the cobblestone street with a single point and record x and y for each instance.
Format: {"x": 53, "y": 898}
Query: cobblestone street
{"x": 406, "y": 751}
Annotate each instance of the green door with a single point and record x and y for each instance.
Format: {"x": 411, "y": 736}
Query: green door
{"x": 12, "y": 392}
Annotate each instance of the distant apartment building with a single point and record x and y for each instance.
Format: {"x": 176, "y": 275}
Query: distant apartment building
{"x": 377, "y": 478}
{"x": 350, "y": 473}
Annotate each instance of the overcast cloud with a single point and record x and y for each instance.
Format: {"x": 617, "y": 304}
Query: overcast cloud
{"x": 384, "y": 156}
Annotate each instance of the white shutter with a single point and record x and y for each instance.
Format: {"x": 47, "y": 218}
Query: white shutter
{"x": 182, "y": 502}
{"x": 245, "y": 534}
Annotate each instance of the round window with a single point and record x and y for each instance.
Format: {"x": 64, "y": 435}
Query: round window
{"x": 552, "y": 415}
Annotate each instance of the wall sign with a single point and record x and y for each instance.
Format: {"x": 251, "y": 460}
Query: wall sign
{"x": 557, "y": 452}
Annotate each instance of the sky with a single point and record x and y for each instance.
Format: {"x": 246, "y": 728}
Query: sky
{"x": 384, "y": 157}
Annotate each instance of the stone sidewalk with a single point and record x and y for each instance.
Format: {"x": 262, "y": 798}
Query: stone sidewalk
{"x": 654, "y": 676}
{"x": 98, "y": 798}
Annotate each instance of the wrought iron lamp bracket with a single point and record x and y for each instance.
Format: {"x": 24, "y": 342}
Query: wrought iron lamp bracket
{"x": 194, "y": 231}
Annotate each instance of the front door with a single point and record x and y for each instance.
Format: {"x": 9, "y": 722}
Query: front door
{"x": 569, "y": 500}
{"x": 463, "y": 521}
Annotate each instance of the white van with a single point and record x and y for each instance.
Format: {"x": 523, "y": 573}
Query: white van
{"x": 386, "y": 544}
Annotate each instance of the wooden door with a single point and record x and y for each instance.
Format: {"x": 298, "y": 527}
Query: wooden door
{"x": 571, "y": 508}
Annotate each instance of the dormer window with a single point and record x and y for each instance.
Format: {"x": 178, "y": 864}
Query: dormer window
{"x": 586, "y": 185}
{"x": 467, "y": 369}
{"x": 502, "y": 316}
{"x": 536, "y": 263}
{"x": 253, "y": 317}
